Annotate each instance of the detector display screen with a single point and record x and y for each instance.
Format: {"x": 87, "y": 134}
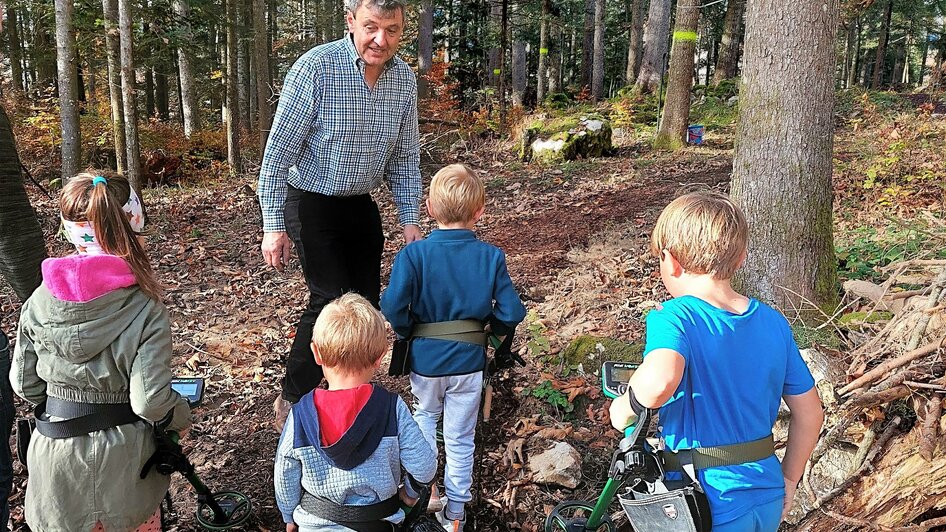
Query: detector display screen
{"x": 190, "y": 388}
{"x": 614, "y": 377}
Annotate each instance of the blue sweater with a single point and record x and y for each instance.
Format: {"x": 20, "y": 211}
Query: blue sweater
{"x": 451, "y": 275}
{"x": 363, "y": 467}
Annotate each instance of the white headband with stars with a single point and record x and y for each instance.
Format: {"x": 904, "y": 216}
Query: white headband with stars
{"x": 83, "y": 236}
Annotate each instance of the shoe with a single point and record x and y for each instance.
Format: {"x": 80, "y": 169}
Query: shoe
{"x": 450, "y": 525}
{"x": 281, "y": 409}
{"x": 435, "y": 504}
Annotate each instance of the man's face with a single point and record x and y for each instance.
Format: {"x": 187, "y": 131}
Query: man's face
{"x": 377, "y": 33}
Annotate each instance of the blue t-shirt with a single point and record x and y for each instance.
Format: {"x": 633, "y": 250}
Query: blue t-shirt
{"x": 738, "y": 366}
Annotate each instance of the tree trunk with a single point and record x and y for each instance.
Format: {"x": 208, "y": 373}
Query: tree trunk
{"x": 16, "y": 50}
{"x": 519, "y": 64}
{"x": 129, "y": 98}
{"x": 186, "y": 69}
{"x": 782, "y": 163}
{"x": 149, "y": 75}
{"x": 43, "y": 57}
{"x": 555, "y": 56}
{"x": 540, "y": 81}
{"x": 588, "y": 44}
{"x": 68, "y": 90}
{"x": 113, "y": 57}
{"x": 849, "y": 51}
{"x": 597, "y": 77}
{"x": 676, "y": 117}
{"x": 656, "y": 31}
{"x": 22, "y": 247}
{"x": 635, "y": 42}
{"x": 425, "y": 47}
{"x": 503, "y": 45}
{"x": 232, "y": 113}
{"x": 495, "y": 64}
{"x": 161, "y": 97}
{"x": 728, "y": 58}
{"x": 261, "y": 48}
{"x": 878, "y": 77}
{"x": 243, "y": 65}
{"x": 855, "y": 56}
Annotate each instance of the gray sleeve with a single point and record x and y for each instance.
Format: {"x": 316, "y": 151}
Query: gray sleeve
{"x": 287, "y": 475}
{"x": 26, "y": 383}
{"x": 416, "y": 455}
{"x": 149, "y": 383}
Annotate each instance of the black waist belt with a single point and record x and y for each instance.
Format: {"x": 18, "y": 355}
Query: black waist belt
{"x": 80, "y": 418}
{"x": 366, "y": 518}
{"x": 724, "y": 455}
{"x": 469, "y": 331}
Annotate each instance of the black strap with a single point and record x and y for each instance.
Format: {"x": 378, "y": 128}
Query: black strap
{"x": 80, "y": 418}
{"x": 366, "y": 518}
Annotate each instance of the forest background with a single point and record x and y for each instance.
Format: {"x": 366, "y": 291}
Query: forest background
{"x": 824, "y": 120}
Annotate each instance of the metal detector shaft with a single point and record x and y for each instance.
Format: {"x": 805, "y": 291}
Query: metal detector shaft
{"x": 206, "y": 496}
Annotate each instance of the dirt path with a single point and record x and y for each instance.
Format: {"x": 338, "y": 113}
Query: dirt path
{"x": 233, "y": 319}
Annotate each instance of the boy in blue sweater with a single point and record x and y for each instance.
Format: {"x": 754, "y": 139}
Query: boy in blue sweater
{"x": 718, "y": 363}
{"x": 451, "y": 276}
{"x": 345, "y": 446}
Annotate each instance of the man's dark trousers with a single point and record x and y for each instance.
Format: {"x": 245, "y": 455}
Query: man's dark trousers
{"x": 339, "y": 242}
{"x": 7, "y": 413}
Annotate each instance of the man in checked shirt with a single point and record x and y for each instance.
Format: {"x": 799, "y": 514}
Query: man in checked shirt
{"x": 347, "y": 118}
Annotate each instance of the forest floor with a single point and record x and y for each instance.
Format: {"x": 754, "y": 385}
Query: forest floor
{"x": 576, "y": 238}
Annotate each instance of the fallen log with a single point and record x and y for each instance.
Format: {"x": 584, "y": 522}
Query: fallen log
{"x": 882, "y": 369}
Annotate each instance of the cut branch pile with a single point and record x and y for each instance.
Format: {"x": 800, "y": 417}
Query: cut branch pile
{"x": 889, "y": 414}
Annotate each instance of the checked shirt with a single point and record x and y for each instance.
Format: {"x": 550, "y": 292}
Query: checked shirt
{"x": 335, "y": 136}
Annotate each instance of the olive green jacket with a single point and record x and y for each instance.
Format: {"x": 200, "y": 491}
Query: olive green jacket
{"x": 115, "y": 348}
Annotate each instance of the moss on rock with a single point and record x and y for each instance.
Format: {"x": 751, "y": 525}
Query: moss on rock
{"x": 566, "y": 138}
{"x": 586, "y": 349}
{"x": 857, "y": 318}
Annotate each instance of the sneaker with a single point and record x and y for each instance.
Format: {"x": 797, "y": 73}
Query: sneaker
{"x": 281, "y": 409}
{"x": 450, "y": 525}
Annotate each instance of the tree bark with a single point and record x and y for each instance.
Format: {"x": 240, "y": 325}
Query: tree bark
{"x": 232, "y": 113}
{"x": 129, "y": 98}
{"x": 43, "y": 57}
{"x": 855, "y": 56}
{"x": 68, "y": 92}
{"x": 656, "y": 31}
{"x": 161, "y": 97}
{"x": 16, "y": 50}
{"x": 495, "y": 52}
{"x": 22, "y": 247}
{"x": 261, "y": 48}
{"x": 555, "y": 56}
{"x": 597, "y": 74}
{"x": 540, "y": 81}
{"x": 878, "y": 76}
{"x": 113, "y": 58}
{"x": 519, "y": 61}
{"x": 635, "y": 42}
{"x": 588, "y": 44}
{"x": 676, "y": 117}
{"x": 186, "y": 69}
{"x": 728, "y": 58}
{"x": 425, "y": 46}
{"x": 243, "y": 65}
{"x": 782, "y": 163}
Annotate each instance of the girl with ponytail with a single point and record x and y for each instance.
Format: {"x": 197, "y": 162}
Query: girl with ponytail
{"x": 95, "y": 338}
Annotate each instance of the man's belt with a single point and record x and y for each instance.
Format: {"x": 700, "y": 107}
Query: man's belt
{"x": 468, "y": 331}
{"x": 80, "y": 418}
{"x": 724, "y": 455}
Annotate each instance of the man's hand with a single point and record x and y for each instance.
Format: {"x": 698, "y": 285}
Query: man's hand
{"x": 405, "y": 498}
{"x": 276, "y": 248}
{"x": 292, "y": 527}
{"x": 790, "y": 487}
{"x": 622, "y": 415}
{"x": 412, "y": 233}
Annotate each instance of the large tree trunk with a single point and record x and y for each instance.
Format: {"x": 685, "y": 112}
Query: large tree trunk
{"x": 635, "y": 42}
{"x": 425, "y": 47}
{"x": 43, "y": 56}
{"x": 22, "y": 247}
{"x": 161, "y": 97}
{"x": 495, "y": 52}
{"x": 878, "y": 77}
{"x": 113, "y": 56}
{"x": 588, "y": 44}
{"x": 597, "y": 73}
{"x": 855, "y": 56}
{"x": 232, "y": 113}
{"x": 656, "y": 31}
{"x": 68, "y": 90}
{"x": 129, "y": 98}
{"x": 519, "y": 64}
{"x": 782, "y": 163}
{"x": 555, "y": 56}
{"x": 261, "y": 50}
{"x": 728, "y": 59}
{"x": 540, "y": 81}
{"x": 186, "y": 69}
{"x": 243, "y": 65}
{"x": 16, "y": 50}
{"x": 673, "y": 126}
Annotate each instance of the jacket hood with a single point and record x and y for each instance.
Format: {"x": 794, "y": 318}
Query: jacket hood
{"x": 376, "y": 420}
{"x": 77, "y": 329}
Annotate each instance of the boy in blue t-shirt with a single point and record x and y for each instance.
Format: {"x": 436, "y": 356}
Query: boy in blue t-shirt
{"x": 717, "y": 364}
{"x": 451, "y": 275}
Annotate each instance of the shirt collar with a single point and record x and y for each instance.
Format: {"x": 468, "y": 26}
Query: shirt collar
{"x": 451, "y": 234}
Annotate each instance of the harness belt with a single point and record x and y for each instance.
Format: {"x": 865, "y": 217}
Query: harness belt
{"x": 705, "y": 457}
{"x": 367, "y": 518}
{"x": 469, "y": 331}
{"x": 80, "y": 418}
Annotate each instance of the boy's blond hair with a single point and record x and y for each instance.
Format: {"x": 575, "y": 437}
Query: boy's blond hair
{"x": 705, "y": 231}
{"x": 350, "y": 334}
{"x": 456, "y": 193}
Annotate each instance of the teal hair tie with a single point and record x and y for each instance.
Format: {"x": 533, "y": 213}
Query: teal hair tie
{"x": 99, "y": 180}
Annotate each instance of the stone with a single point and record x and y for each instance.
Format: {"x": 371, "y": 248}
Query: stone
{"x": 560, "y": 465}
{"x": 566, "y": 139}
{"x": 593, "y": 350}
{"x": 732, "y": 100}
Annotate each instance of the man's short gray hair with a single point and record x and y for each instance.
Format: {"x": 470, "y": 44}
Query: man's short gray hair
{"x": 385, "y": 6}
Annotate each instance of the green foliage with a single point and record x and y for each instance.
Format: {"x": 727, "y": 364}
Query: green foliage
{"x": 546, "y": 392}
{"x": 858, "y": 102}
{"x": 538, "y": 343}
{"x": 713, "y": 111}
{"x": 858, "y": 318}
{"x": 864, "y": 250}
{"x": 807, "y": 336}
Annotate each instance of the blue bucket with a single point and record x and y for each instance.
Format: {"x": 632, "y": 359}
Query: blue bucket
{"x": 695, "y": 134}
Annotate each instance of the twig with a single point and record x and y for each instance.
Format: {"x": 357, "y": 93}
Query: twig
{"x": 882, "y": 397}
{"x": 922, "y": 527}
{"x": 833, "y": 434}
{"x": 438, "y": 121}
{"x": 928, "y": 439}
{"x": 935, "y": 290}
{"x": 925, "y": 386}
{"x": 909, "y": 293}
{"x": 882, "y": 369}
{"x": 913, "y": 262}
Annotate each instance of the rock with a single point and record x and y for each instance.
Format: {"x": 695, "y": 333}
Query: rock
{"x": 874, "y": 293}
{"x": 591, "y": 351}
{"x": 55, "y": 184}
{"x": 566, "y": 139}
{"x": 732, "y": 100}
{"x": 560, "y": 465}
